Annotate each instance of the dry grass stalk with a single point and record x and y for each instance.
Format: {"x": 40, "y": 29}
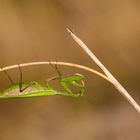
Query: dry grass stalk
{"x": 110, "y": 77}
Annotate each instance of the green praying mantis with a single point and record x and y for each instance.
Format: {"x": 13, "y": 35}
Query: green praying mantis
{"x": 34, "y": 89}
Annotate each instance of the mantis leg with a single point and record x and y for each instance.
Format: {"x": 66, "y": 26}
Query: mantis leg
{"x": 8, "y": 76}
{"x": 76, "y": 80}
{"x": 21, "y": 88}
{"x": 30, "y": 84}
{"x": 65, "y": 86}
{"x": 57, "y": 70}
{"x": 48, "y": 86}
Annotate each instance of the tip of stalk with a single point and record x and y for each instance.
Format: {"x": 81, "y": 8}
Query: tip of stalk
{"x": 69, "y": 30}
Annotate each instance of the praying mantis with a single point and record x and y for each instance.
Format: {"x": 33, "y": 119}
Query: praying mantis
{"x": 34, "y": 89}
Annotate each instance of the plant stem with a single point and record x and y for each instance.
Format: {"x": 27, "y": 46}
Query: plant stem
{"x": 56, "y": 63}
{"x": 111, "y": 78}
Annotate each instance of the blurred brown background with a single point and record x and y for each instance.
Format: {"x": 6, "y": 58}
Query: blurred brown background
{"x": 35, "y": 30}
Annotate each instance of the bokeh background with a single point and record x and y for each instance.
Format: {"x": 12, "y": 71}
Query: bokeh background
{"x": 35, "y": 30}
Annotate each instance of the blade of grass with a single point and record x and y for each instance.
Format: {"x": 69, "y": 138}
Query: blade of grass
{"x": 111, "y": 78}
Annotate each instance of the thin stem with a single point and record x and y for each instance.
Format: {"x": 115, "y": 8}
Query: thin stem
{"x": 56, "y": 63}
{"x": 111, "y": 78}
